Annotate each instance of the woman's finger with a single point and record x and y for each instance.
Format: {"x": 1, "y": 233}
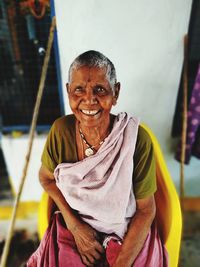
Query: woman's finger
{"x": 96, "y": 254}
{"x": 99, "y": 248}
{"x": 86, "y": 261}
{"x": 91, "y": 258}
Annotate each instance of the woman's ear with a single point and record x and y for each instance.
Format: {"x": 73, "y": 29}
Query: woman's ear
{"x": 67, "y": 87}
{"x": 116, "y": 93}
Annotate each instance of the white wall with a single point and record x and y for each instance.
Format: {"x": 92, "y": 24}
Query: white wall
{"x": 15, "y": 151}
{"x": 144, "y": 39}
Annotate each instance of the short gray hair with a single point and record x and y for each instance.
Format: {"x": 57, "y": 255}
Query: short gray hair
{"x": 93, "y": 58}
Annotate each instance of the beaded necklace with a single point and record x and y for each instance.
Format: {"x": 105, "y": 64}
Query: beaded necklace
{"x": 90, "y": 150}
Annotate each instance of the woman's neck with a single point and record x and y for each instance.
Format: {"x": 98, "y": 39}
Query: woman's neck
{"x": 95, "y": 135}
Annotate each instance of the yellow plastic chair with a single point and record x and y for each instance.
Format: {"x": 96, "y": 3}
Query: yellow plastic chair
{"x": 168, "y": 215}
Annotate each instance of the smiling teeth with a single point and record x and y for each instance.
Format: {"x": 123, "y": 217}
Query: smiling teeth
{"x": 90, "y": 112}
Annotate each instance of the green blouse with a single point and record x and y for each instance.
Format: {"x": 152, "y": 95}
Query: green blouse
{"x": 60, "y": 147}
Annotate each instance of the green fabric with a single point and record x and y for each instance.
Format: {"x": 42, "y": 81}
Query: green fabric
{"x": 60, "y": 147}
{"x": 144, "y": 172}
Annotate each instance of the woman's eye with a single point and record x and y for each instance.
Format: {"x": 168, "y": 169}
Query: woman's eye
{"x": 78, "y": 90}
{"x": 100, "y": 90}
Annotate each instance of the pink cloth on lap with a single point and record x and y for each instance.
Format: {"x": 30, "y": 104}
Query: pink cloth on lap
{"x": 58, "y": 249}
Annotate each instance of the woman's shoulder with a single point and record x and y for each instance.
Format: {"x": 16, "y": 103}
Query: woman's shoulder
{"x": 64, "y": 122}
{"x": 143, "y": 138}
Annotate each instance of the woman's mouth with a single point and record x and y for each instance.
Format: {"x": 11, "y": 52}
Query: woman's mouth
{"x": 90, "y": 112}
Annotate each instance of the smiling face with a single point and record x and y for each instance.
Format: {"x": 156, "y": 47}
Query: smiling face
{"x": 91, "y": 96}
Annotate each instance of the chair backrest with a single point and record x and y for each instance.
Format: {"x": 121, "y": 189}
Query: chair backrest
{"x": 168, "y": 215}
{"x": 46, "y": 207}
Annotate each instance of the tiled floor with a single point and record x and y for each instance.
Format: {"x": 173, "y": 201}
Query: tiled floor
{"x": 190, "y": 248}
{"x": 190, "y": 252}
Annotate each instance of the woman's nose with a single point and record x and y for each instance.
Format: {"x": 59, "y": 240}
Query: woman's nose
{"x": 90, "y": 97}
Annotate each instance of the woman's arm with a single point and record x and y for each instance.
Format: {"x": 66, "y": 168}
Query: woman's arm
{"x": 137, "y": 232}
{"x": 47, "y": 181}
{"x": 86, "y": 237}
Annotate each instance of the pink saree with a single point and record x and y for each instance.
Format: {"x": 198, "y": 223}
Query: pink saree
{"x": 58, "y": 249}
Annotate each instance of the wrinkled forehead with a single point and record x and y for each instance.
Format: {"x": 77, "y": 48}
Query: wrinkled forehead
{"x": 89, "y": 74}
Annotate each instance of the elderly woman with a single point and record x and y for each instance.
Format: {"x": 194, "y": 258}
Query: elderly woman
{"x": 99, "y": 169}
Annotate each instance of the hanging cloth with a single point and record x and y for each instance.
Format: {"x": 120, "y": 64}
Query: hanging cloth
{"x": 193, "y": 124}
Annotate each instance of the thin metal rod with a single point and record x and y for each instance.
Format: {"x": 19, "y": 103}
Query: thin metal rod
{"x": 31, "y": 137}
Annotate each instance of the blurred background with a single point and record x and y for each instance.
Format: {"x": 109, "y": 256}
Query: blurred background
{"x": 144, "y": 39}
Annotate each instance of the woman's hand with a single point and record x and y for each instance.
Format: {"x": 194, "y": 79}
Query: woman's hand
{"x": 87, "y": 243}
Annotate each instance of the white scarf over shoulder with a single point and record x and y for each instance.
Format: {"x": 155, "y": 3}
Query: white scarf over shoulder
{"x": 100, "y": 187}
